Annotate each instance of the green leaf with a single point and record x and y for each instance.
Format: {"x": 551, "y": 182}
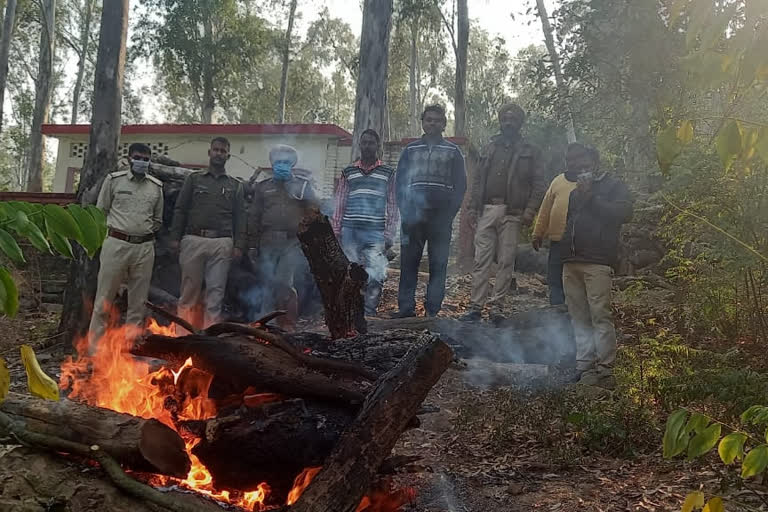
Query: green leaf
{"x": 685, "y": 132}
{"x": 9, "y": 246}
{"x": 732, "y": 447}
{"x": 10, "y": 303}
{"x": 728, "y": 143}
{"x": 61, "y": 222}
{"x": 36, "y": 237}
{"x": 5, "y": 380}
{"x": 693, "y": 501}
{"x": 667, "y": 147}
{"x": 714, "y": 505}
{"x": 704, "y": 441}
{"x": 59, "y": 243}
{"x": 755, "y": 462}
{"x": 91, "y": 241}
{"x": 755, "y": 415}
{"x": 697, "y": 423}
{"x": 675, "y": 440}
{"x": 100, "y": 219}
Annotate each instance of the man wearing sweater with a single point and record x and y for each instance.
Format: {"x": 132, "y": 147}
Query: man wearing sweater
{"x": 430, "y": 184}
{"x": 366, "y": 215}
{"x": 554, "y": 209}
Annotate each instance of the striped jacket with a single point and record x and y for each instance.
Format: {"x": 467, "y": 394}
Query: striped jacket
{"x": 430, "y": 178}
{"x": 365, "y": 199}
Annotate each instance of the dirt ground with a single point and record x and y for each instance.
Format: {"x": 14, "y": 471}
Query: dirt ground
{"x": 462, "y": 469}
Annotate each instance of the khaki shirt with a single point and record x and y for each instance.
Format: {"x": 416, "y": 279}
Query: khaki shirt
{"x": 210, "y": 202}
{"x": 132, "y": 205}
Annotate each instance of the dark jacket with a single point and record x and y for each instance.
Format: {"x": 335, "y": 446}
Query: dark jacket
{"x": 526, "y": 180}
{"x": 278, "y": 207}
{"x": 430, "y": 178}
{"x": 594, "y": 224}
{"x": 210, "y": 202}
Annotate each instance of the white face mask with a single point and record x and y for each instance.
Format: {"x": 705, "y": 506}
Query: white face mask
{"x": 139, "y": 166}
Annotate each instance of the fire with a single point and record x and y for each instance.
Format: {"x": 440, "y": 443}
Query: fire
{"x": 300, "y": 483}
{"x": 114, "y": 379}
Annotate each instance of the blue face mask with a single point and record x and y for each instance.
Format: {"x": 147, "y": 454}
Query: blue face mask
{"x": 281, "y": 171}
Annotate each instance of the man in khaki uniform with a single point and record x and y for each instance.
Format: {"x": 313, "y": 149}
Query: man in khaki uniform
{"x": 208, "y": 229}
{"x": 507, "y": 188}
{"x": 133, "y": 204}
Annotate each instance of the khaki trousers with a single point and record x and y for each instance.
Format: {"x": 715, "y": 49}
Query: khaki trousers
{"x": 121, "y": 262}
{"x": 203, "y": 260}
{"x": 496, "y": 238}
{"x": 588, "y": 296}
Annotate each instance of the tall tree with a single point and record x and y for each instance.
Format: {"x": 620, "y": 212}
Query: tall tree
{"x": 5, "y": 49}
{"x": 462, "y": 48}
{"x": 82, "y": 50}
{"x": 562, "y": 87}
{"x": 371, "y": 96}
{"x": 286, "y": 60}
{"x": 43, "y": 86}
{"x": 102, "y": 154}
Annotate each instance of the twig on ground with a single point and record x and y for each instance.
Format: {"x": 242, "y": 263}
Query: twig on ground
{"x": 108, "y": 464}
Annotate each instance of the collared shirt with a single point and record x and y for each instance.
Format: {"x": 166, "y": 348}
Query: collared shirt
{"x": 342, "y": 193}
{"x": 210, "y": 201}
{"x": 499, "y": 169}
{"x": 132, "y": 205}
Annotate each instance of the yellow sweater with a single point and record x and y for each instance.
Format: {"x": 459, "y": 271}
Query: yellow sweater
{"x": 554, "y": 209}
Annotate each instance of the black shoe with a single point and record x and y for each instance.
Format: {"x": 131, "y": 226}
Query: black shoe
{"x": 403, "y": 314}
{"x": 471, "y": 316}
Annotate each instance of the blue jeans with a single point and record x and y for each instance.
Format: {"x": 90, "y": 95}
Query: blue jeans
{"x": 555, "y": 275}
{"x": 435, "y": 232}
{"x": 367, "y": 247}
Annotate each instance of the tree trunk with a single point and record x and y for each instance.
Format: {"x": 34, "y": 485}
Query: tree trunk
{"x": 286, "y": 60}
{"x": 5, "y": 48}
{"x": 209, "y": 101}
{"x": 85, "y": 34}
{"x": 561, "y": 85}
{"x": 137, "y": 443}
{"x": 340, "y": 282}
{"x": 371, "y": 96}
{"x": 462, "y": 47}
{"x": 101, "y": 158}
{"x": 42, "y": 95}
{"x": 413, "y": 114}
{"x": 348, "y": 472}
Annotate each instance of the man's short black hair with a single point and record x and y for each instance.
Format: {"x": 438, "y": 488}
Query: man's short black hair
{"x": 578, "y": 147}
{"x": 437, "y": 109}
{"x": 222, "y": 140}
{"x": 139, "y": 147}
{"x": 373, "y": 133}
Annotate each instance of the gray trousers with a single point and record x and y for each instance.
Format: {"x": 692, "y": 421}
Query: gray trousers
{"x": 121, "y": 262}
{"x": 203, "y": 260}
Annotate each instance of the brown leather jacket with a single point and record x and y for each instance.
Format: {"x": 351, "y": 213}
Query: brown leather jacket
{"x": 526, "y": 181}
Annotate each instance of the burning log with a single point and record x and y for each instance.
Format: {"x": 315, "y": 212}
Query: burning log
{"x": 243, "y": 362}
{"x": 348, "y": 472}
{"x": 136, "y": 443}
{"x": 339, "y": 281}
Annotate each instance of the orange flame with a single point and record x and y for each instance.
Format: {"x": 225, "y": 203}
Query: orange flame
{"x": 300, "y": 483}
{"x": 114, "y": 379}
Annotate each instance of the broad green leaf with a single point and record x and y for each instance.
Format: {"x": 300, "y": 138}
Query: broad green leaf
{"x": 755, "y": 415}
{"x": 685, "y": 132}
{"x": 755, "y": 462}
{"x": 5, "y": 380}
{"x": 697, "y": 423}
{"x": 100, "y": 219}
{"x": 91, "y": 241}
{"x": 9, "y": 246}
{"x": 728, "y": 143}
{"x": 674, "y": 435}
{"x": 36, "y": 237}
{"x": 704, "y": 441}
{"x": 60, "y": 221}
{"x": 732, "y": 447}
{"x": 59, "y": 243}
{"x": 10, "y": 304}
{"x": 693, "y": 501}
{"x": 667, "y": 147}
{"x": 714, "y": 505}
{"x": 20, "y": 221}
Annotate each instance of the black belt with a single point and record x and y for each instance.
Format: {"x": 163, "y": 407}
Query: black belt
{"x": 131, "y": 239}
{"x": 210, "y": 233}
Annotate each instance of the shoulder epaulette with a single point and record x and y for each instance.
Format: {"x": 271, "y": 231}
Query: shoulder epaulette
{"x": 117, "y": 174}
{"x": 154, "y": 180}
